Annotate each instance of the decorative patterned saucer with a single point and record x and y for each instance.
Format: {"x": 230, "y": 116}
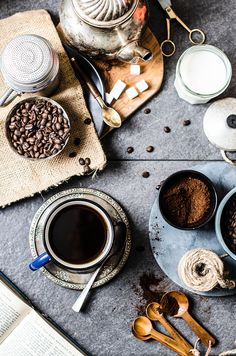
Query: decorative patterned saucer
{"x": 62, "y": 276}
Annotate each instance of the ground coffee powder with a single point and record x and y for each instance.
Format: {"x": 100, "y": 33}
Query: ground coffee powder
{"x": 170, "y": 305}
{"x": 187, "y": 201}
{"x": 149, "y": 290}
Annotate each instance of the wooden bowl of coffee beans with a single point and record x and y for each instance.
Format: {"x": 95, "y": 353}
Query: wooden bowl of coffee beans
{"x": 37, "y": 128}
{"x": 225, "y": 223}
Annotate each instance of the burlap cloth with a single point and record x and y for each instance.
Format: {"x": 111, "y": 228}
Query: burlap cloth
{"x": 20, "y": 178}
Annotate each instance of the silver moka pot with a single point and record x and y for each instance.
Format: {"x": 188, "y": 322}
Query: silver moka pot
{"x": 107, "y": 29}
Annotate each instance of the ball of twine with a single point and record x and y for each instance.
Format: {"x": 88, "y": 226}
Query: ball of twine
{"x": 202, "y": 270}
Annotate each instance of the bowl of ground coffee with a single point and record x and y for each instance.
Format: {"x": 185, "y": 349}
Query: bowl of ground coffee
{"x": 187, "y": 200}
{"x": 37, "y": 128}
{"x": 225, "y": 223}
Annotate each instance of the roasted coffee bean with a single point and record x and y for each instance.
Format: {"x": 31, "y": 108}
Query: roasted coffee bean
{"x": 87, "y": 169}
{"x": 167, "y": 129}
{"x": 150, "y": 149}
{"x": 72, "y": 154}
{"x": 87, "y": 121}
{"x": 17, "y": 133}
{"x": 38, "y": 129}
{"x": 146, "y": 174}
{"x": 147, "y": 111}
{"x": 186, "y": 122}
{"x": 60, "y": 119}
{"x": 87, "y": 161}
{"x": 130, "y": 150}
{"x": 29, "y": 126}
{"x": 81, "y": 161}
{"x": 228, "y": 226}
{"x": 28, "y": 106}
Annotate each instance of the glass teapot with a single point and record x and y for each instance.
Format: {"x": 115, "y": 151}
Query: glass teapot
{"x": 107, "y": 29}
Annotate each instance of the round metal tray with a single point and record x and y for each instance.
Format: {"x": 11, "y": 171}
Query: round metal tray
{"x": 169, "y": 244}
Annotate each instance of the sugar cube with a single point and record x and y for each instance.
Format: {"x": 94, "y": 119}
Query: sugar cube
{"x": 109, "y": 98}
{"x": 135, "y": 69}
{"x": 131, "y": 93}
{"x": 118, "y": 89}
{"x": 142, "y": 85}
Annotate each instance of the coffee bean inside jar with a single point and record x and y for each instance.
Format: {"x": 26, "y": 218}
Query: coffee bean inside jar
{"x": 38, "y": 128}
{"x": 228, "y": 223}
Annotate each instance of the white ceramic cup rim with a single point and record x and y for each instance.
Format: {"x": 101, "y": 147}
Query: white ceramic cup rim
{"x": 218, "y": 222}
{"x": 108, "y": 244}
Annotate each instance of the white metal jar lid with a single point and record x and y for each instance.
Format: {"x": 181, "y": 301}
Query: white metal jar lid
{"x": 27, "y": 62}
{"x": 219, "y": 124}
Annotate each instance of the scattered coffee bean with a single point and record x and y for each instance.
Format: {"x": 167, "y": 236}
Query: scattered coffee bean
{"x": 150, "y": 149}
{"x": 87, "y": 161}
{"x": 87, "y": 169}
{"x": 167, "y": 129}
{"x": 77, "y": 141}
{"x": 130, "y": 150}
{"x": 147, "y": 111}
{"x": 32, "y": 131}
{"x": 72, "y": 154}
{"x": 81, "y": 161}
{"x": 87, "y": 121}
{"x": 186, "y": 122}
{"x": 146, "y": 174}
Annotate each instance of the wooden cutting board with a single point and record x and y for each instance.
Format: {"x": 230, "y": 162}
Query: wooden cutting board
{"x": 152, "y": 72}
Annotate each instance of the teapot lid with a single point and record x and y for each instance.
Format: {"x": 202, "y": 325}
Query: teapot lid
{"x": 104, "y": 13}
{"x": 219, "y": 124}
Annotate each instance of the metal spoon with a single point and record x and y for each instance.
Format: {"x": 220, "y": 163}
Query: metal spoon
{"x": 182, "y": 312}
{"x": 119, "y": 243}
{"x": 153, "y": 312}
{"x": 143, "y": 330}
{"x": 110, "y": 115}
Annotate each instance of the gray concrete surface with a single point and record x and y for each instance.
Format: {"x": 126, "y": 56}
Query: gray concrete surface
{"x": 104, "y": 329}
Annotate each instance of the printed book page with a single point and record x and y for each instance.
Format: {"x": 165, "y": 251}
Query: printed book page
{"x": 35, "y": 337}
{"x": 12, "y": 311}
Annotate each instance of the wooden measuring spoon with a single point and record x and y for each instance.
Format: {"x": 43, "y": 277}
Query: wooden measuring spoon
{"x": 143, "y": 330}
{"x": 153, "y": 312}
{"x": 176, "y": 304}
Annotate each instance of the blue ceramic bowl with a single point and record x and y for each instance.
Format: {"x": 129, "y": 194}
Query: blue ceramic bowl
{"x": 218, "y": 218}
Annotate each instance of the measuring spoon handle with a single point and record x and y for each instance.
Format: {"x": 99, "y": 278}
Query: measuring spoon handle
{"x": 175, "y": 334}
{"x": 198, "y": 329}
{"x": 168, "y": 342}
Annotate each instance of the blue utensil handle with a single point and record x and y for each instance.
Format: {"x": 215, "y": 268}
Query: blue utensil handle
{"x": 40, "y": 261}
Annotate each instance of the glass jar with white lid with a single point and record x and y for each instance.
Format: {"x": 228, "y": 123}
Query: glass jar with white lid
{"x": 203, "y": 72}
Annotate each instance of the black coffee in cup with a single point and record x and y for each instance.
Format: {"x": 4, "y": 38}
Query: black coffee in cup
{"x": 77, "y": 234}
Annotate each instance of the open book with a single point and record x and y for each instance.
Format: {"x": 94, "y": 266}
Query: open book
{"x": 25, "y": 332}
